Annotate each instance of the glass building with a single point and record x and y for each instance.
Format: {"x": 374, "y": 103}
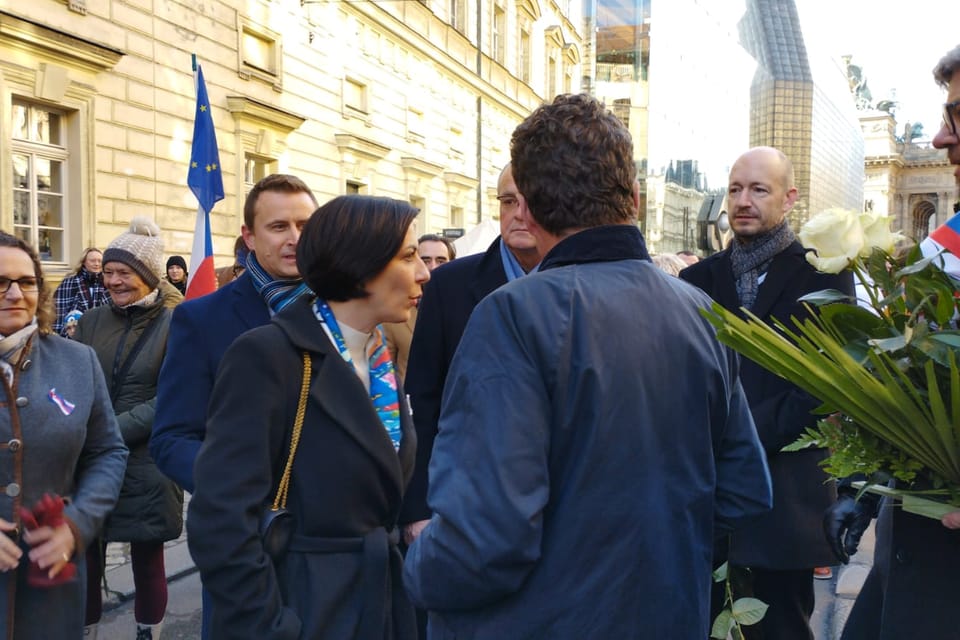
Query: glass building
{"x": 698, "y": 82}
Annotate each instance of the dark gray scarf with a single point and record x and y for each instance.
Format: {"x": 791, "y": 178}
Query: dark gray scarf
{"x": 750, "y": 259}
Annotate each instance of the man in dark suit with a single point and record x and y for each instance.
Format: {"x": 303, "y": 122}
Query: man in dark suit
{"x": 765, "y": 270}
{"x": 201, "y": 330}
{"x": 454, "y": 290}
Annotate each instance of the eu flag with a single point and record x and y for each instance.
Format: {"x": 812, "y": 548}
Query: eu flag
{"x": 204, "y": 177}
{"x": 206, "y": 182}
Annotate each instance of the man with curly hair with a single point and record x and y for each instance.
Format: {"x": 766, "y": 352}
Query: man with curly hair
{"x": 580, "y": 473}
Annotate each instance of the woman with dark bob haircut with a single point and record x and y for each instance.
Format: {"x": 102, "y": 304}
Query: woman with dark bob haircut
{"x": 339, "y": 577}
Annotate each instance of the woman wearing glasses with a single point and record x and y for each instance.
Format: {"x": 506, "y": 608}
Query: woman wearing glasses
{"x": 340, "y": 578}
{"x": 58, "y": 436}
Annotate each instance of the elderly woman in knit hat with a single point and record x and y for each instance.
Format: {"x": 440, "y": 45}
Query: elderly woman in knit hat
{"x": 177, "y": 273}
{"x": 129, "y": 337}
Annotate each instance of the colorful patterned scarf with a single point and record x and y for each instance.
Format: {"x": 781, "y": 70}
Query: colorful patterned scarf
{"x": 277, "y": 293}
{"x": 383, "y": 380}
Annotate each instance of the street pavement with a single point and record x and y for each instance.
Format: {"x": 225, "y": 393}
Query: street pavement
{"x": 834, "y": 597}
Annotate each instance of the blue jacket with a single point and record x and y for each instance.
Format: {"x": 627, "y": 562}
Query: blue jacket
{"x": 594, "y": 438}
{"x": 200, "y": 332}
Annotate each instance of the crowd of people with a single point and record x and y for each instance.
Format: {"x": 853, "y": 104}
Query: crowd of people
{"x": 385, "y": 441}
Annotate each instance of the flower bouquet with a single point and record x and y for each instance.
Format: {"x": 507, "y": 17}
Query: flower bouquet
{"x": 886, "y": 369}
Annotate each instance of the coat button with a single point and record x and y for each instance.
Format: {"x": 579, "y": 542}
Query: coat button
{"x": 12, "y": 490}
{"x": 903, "y": 556}
{"x": 22, "y": 401}
{"x": 14, "y": 445}
{"x": 26, "y": 364}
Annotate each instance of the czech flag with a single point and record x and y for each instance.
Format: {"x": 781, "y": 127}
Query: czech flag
{"x": 946, "y": 236}
{"x": 206, "y": 182}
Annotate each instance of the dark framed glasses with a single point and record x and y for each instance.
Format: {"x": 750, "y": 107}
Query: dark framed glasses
{"x": 950, "y": 116}
{"x": 27, "y": 284}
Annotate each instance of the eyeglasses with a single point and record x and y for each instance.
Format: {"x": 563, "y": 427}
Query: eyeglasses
{"x": 27, "y": 284}
{"x": 950, "y": 116}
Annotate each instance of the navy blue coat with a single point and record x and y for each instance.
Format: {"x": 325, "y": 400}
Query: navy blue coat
{"x": 200, "y": 332}
{"x": 340, "y": 578}
{"x": 448, "y": 300}
{"x": 594, "y": 437}
{"x": 791, "y": 535}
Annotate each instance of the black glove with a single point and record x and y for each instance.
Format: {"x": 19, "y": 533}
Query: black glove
{"x": 845, "y": 522}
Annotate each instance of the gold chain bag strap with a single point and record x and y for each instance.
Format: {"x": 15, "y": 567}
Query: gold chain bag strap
{"x": 277, "y": 524}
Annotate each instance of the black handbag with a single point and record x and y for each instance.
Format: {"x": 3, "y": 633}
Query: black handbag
{"x": 277, "y": 524}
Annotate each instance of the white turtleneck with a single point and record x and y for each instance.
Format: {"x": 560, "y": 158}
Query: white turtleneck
{"x": 357, "y": 343}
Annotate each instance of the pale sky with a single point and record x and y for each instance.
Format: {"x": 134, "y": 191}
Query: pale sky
{"x": 895, "y": 42}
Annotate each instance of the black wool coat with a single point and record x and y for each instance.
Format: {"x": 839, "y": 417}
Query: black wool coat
{"x": 340, "y": 578}
{"x": 791, "y": 535}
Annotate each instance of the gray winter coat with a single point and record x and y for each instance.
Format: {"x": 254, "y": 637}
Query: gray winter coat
{"x": 64, "y": 440}
{"x": 150, "y": 508}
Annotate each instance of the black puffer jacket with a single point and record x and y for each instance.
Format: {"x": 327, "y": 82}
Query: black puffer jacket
{"x": 130, "y": 343}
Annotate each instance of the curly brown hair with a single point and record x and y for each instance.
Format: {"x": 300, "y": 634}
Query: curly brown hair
{"x": 573, "y": 162}
{"x": 45, "y": 298}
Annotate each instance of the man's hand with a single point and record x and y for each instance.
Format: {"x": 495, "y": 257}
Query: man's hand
{"x": 951, "y": 520}
{"x": 845, "y": 522}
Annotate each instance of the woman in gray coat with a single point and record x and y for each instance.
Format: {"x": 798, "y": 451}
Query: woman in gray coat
{"x": 129, "y": 336}
{"x": 58, "y": 435}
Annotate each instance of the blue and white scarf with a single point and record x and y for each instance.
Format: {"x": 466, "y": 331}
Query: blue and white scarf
{"x": 277, "y": 293}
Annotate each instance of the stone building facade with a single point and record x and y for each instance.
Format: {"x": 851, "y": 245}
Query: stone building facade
{"x": 413, "y": 100}
{"x": 913, "y": 183}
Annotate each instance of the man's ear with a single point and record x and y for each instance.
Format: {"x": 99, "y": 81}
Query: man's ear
{"x": 791, "y": 199}
{"x": 247, "y": 237}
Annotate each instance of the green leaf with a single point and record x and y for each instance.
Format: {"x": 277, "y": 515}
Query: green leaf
{"x": 889, "y": 344}
{"x": 722, "y": 625}
{"x": 749, "y": 611}
{"x": 915, "y": 267}
{"x": 826, "y": 296}
{"x": 720, "y": 573}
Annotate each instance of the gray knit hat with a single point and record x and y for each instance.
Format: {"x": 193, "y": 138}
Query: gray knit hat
{"x": 141, "y": 249}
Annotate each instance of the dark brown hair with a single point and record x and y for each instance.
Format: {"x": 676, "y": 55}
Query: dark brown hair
{"x": 279, "y": 182}
{"x": 573, "y": 162}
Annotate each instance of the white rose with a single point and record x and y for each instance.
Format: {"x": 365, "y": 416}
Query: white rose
{"x": 876, "y": 233}
{"x": 835, "y": 238}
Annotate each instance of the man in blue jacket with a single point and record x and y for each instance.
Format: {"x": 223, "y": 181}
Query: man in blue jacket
{"x": 580, "y": 471}
{"x": 274, "y": 212}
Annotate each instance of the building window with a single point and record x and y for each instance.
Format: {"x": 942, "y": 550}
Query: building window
{"x": 621, "y": 109}
{"x": 551, "y": 77}
{"x": 458, "y": 15}
{"x": 353, "y": 188}
{"x": 260, "y": 52}
{"x": 255, "y": 168}
{"x": 525, "y": 55}
{"x": 416, "y": 125}
{"x": 456, "y": 217}
{"x": 40, "y": 158}
{"x": 355, "y": 97}
{"x": 499, "y": 34}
